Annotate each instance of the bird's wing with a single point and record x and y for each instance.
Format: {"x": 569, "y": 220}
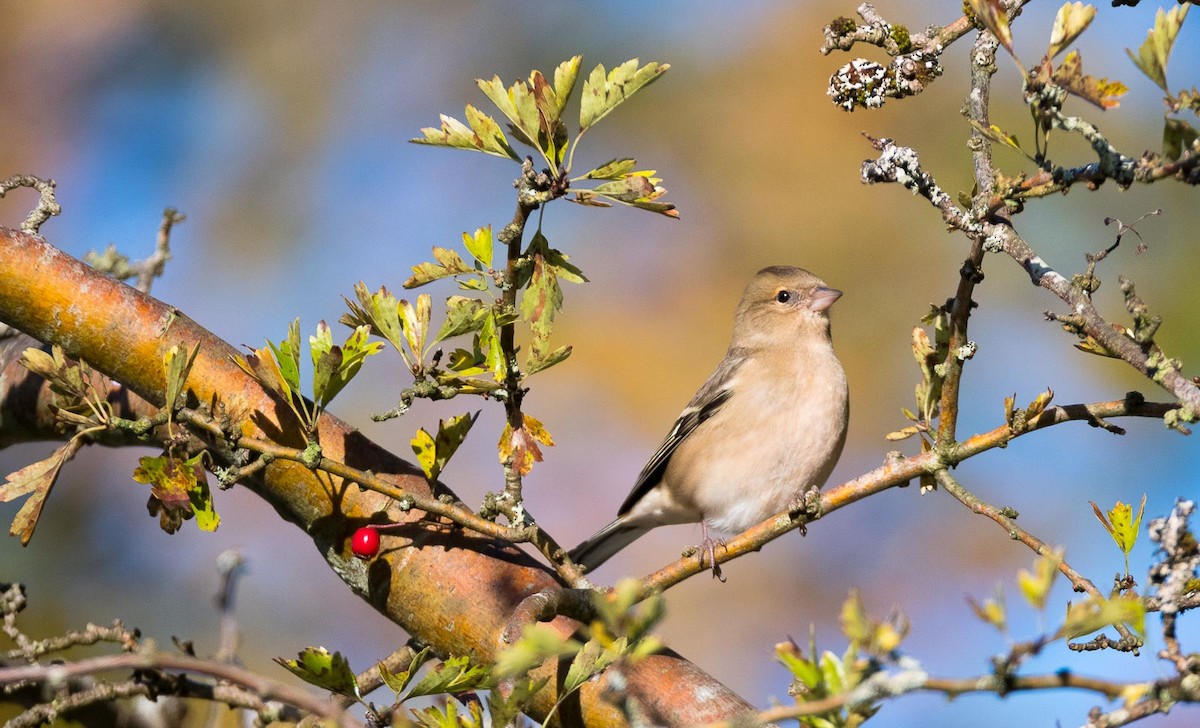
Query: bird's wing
{"x": 707, "y": 402}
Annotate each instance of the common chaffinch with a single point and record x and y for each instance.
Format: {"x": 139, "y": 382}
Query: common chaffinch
{"x": 768, "y": 424}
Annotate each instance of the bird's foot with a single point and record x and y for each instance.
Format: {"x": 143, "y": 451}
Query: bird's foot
{"x": 708, "y": 546}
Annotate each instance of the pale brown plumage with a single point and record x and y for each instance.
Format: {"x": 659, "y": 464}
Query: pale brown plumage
{"x": 768, "y": 424}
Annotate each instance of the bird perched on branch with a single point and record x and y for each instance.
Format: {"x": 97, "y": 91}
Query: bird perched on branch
{"x": 768, "y": 424}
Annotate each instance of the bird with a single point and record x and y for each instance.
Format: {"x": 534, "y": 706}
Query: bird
{"x": 767, "y": 425}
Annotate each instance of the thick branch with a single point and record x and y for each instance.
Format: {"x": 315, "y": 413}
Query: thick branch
{"x": 452, "y": 589}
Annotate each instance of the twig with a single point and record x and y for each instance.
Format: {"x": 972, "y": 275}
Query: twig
{"x": 1129, "y": 642}
{"x": 264, "y": 687}
{"x": 896, "y": 472}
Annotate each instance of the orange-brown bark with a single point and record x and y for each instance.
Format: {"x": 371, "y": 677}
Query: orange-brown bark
{"x": 453, "y": 590}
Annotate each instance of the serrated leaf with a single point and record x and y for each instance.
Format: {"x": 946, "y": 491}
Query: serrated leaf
{"x": 481, "y": 133}
{"x": 612, "y": 169}
{"x": 261, "y": 365}
{"x": 603, "y": 93}
{"x": 561, "y": 263}
{"x": 380, "y": 311}
{"x": 1099, "y": 91}
{"x": 398, "y": 681}
{"x": 329, "y": 671}
{"x": 456, "y": 675}
{"x": 504, "y": 709}
{"x": 179, "y": 491}
{"x": 537, "y": 644}
{"x": 992, "y": 15}
{"x": 414, "y": 323}
{"x": 587, "y": 663}
{"x": 480, "y": 244}
{"x": 449, "y": 263}
{"x": 463, "y": 316}
{"x": 1071, "y": 20}
{"x": 536, "y": 363}
{"x": 288, "y": 356}
{"x": 35, "y": 480}
{"x": 521, "y": 445}
{"x": 1155, "y": 51}
{"x": 334, "y": 366}
{"x": 1121, "y": 523}
{"x": 564, "y": 80}
{"x": 434, "y": 452}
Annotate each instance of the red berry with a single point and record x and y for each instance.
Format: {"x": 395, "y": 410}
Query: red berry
{"x": 365, "y": 543}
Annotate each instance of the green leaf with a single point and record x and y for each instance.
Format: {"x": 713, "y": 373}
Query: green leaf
{"x": 1155, "y": 51}
{"x": 540, "y": 303}
{"x": 802, "y": 668}
{"x": 481, "y": 133}
{"x": 480, "y": 244}
{"x": 415, "y": 323}
{"x": 35, "y": 480}
{"x": 535, "y": 363}
{"x": 590, "y": 661}
{"x": 454, "y": 676}
{"x": 489, "y": 343}
{"x": 179, "y": 491}
{"x": 335, "y": 366}
{"x": 288, "y": 356}
{"x": 637, "y": 189}
{"x": 200, "y": 497}
{"x": 398, "y": 681}
{"x": 1121, "y": 524}
{"x": 612, "y": 169}
{"x": 504, "y": 709}
{"x": 1071, "y": 20}
{"x": 1178, "y": 136}
{"x": 176, "y": 367}
{"x": 1097, "y": 613}
{"x": 1035, "y": 585}
{"x": 463, "y": 316}
{"x": 537, "y": 644}
{"x": 602, "y": 94}
{"x": 564, "y": 81}
{"x": 449, "y": 263}
{"x": 379, "y": 310}
{"x": 434, "y": 452}
{"x": 329, "y": 671}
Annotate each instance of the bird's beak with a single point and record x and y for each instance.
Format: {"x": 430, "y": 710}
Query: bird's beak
{"x": 823, "y": 298}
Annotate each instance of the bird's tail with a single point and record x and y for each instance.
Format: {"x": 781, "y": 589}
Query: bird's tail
{"x": 607, "y": 541}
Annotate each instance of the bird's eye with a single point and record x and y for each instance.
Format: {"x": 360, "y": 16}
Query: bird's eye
{"x": 783, "y": 296}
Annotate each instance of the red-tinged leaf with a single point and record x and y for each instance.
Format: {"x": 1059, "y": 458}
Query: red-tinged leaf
{"x": 521, "y": 445}
{"x": 35, "y": 480}
{"x": 1099, "y": 91}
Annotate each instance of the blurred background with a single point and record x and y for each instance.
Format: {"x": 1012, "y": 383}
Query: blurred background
{"x": 281, "y": 130}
